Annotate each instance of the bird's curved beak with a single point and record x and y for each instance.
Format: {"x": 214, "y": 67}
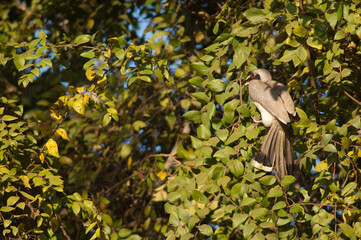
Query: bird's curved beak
{"x": 248, "y": 78}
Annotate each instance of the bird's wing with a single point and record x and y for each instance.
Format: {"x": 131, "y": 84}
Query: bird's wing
{"x": 270, "y": 99}
{"x": 278, "y": 88}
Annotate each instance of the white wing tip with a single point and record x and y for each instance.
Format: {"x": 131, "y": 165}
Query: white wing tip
{"x": 260, "y": 166}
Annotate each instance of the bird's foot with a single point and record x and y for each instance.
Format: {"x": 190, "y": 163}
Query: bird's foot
{"x": 256, "y": 120}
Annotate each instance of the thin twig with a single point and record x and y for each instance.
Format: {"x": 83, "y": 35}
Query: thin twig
{"x": 349, "y": 95}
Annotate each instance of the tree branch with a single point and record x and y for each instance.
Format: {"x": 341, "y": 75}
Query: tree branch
{"x": 349, "y": 95}
{"x": 310, "y": 66}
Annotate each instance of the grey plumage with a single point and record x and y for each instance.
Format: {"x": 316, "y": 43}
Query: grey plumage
{"x": 276, "y": 105}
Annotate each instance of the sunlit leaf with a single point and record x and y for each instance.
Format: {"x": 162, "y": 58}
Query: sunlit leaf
{"x": 52, "y": 147}
{"x": 61, "y": 132}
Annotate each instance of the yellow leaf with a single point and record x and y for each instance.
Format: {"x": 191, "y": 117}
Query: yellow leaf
{"x": 199, "y": 37}
{"x": 161, "y": 175}
{"x": 64, "y": 99}
{"x": 86, "y": 98}
{"x": 55, "y": 116}
{"x": 61, "y": 132}
{"x": 102, "y": 80}
{"x": 350, "y": 153}
{"x": 79, "y": 106}
{"x": 80, "y": 89}
{"x": 25, "y": 181}
{"x": 160, "y": 196}
{"x": 359, "y": 153}
{"x": 90, "y": 74}
{"x": 42, "y": 158}
{"x": 321, "y": 166}
{"x": 130, "y": 161}
{"x": 52, "y": 147}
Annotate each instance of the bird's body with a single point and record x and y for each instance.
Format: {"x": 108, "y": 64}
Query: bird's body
{"x": 276, "y": 106}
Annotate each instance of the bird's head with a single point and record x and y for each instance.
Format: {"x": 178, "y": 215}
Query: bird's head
{"x": 260, "y": 74}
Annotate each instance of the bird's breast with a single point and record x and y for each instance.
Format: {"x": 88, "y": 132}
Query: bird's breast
{"x": 267, "y": 117}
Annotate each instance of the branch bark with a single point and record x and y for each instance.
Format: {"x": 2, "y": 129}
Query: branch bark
{"x": 310, "y": 65}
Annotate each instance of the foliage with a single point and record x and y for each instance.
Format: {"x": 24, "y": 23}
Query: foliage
{"x": 93, "y": 112}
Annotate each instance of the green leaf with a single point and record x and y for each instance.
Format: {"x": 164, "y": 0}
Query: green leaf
{"x": 321, "y": 166}
{"x": 82, "y": 39}
{"x": 21, "y": 205}
{"x": 35, "y": 71}
{"x": 194, "y": 116}
{"x": 12, "y": 200}
{"x": 347, "y": 230}
{"x": 205, "y": 229}
{"x": 296, "y": 208}
{"x": 291, "y": 8}
{"x": 89, "y": 63}
{"x": 254, "y": 15}
{"x": 55, "y": 180}
{"x": 248, "y": 229}
{"x": 283, "y": 221}
{"x": 216, "y": 85}
{"x": 251, "y": 134}
{"x": 301, "y": 113}
{"x": 199, "y": 197}
{"x": 47, "y": 62}
{"x": 292, "y": 41}
{"x": 236, "y": 167}
{"x": 246, "y": 202}
{"x": 258, "y": 212}
{"x": 7, "y": 223}
{"x": 267, "y": 180}
{"x": 301, "y": 53}
{"x": 202, "y": 96}
{"x": 196, "y": 81}
{"x": 330, "y": 148}
{"x": 76, "y": 208}
{"x": 38, "y": 181}
{"x": 275, "y": 192}
{"x": 349, "y": 188}
{"x": 355, "y": 122}
{"x": 225, "y": 152}
{"x": 222, "y": 134}
{"x": 326, "y": 139}
{"x": 238, "y": 219}
{"x": 300, "y": 31}
{"x": 124, "y": 233}
{"x": 106, "y": 119}
{"x": 241, "y": 54}
{"x": 287, "y": 180}
{"x": 288, "y": 56}
{"x": 313, "y": 42}
{"x": 28, "y": 196}
{"x": 203, "y": 132}
{"x": 88, "y": 54}
{"x": 340, "y": 34}
{"x": 200, "y": 67}
{"x": 196, "y": 143}
{"x": 6, "y": 209}
{"x": 331, "y": 17}
{"x": 173, "y": 196}
{"x": 19, "y": 61}
{"x": 279, "y": 205}
{"x": 231, "y": 90}
{"x": 8, "y": 118}
{"x": 139, "y": 125}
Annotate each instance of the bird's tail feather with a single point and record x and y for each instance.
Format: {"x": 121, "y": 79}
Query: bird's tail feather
{"x": 276, "y": 151}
